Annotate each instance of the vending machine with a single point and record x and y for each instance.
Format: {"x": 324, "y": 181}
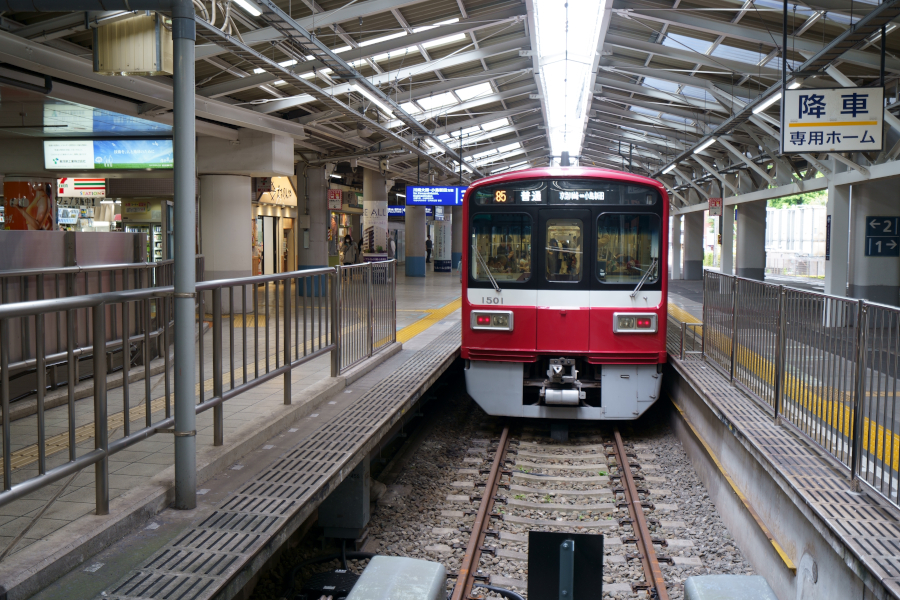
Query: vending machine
{"x": 153, "y": 217}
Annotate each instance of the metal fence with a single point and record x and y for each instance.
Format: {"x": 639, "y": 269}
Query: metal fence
{"x": 249, "y": 331}
{"x": 826, "y": 365}
{"x": 368, "y": 309}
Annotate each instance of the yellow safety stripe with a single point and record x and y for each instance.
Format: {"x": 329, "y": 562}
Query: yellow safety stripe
{"x": 433, "y": 316}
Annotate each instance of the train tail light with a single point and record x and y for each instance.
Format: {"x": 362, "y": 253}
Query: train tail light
{"x": 497, "y": 320}
{"x": 634, "y": 323}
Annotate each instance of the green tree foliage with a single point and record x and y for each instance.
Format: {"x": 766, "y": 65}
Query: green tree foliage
{"x": 818, "y": 198}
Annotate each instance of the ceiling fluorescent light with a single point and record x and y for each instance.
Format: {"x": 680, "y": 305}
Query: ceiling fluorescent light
{"x": 794, "y": 84}
{"x": 249, "y": 6}
{"x": 769, "y": 102}
{"x": 375, "y": 99}
{"x": 668, "y": 169}
{"x": 705, "y": 145}
{"x": 565, "y": 54}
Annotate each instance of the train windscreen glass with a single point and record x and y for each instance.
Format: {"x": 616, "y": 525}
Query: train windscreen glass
{"x": 501, "y": 244}
{"x": 627, "y": 244}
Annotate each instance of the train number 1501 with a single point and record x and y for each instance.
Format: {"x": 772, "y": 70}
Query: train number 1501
{"x": 490, "y": 300}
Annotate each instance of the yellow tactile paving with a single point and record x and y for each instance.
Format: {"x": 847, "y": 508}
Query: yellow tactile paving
{"x": 435, "y": 315}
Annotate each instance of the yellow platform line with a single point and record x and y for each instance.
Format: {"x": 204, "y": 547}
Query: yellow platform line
{"x": 778, "y": 549}
{"x": 433, "y": 316}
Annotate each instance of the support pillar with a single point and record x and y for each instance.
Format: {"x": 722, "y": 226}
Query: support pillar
{"x": 458, "y": 229}
{"x": 415, "y": 241}
{"x": 374, "y": 224}
{"x": 837, "y": 239}
{"x": 675, "y": 246}
{"x": 727, "y": 218}
{"x": 693, "y": 245}
{"x": 184, "y": 146}
{"x": 312, "y": 218}
{"x": 874, "y": 278}
{"x": 227, "y": 216}
{"x": 751, "y": 240}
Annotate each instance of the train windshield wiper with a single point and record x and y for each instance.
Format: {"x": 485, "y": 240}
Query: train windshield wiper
{"x": 644, "y": 278}
{"x": 485, "y": 267}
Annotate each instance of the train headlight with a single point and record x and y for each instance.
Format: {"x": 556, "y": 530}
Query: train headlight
{"x": 498, "y": 320}
{"x": 634, "y": 323}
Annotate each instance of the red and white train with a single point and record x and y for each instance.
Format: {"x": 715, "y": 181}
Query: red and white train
{"x": 564, "y": 293}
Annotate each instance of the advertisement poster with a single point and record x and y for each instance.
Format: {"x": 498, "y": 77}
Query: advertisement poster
{"x": 29, "y": 205}
{"x": 108, "y": 154}
{"x": 375, "y": 222}
{"x": 442, "y": 262}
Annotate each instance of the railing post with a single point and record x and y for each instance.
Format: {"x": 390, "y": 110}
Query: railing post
{"x": 683, "y": 328}
{"x": 779, "y": 354}
{"x": 4, "y": 400}
{"x": 336, "y": 322}
{"x": 101, "y": 435}
{"x": 394, "y": 300}
{"x": 287, "y": 340}
{"x": 218, "y": 411}
{"x": 734, "y": 283}
{"x": 703, "y": 315}
{"x": 859, "y": 379}
{"x": 370, "y": 324}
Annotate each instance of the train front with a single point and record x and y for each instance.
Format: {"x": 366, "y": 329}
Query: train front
{"x": 564, "y": 293}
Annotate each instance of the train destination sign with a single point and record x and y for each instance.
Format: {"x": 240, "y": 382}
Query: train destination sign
{"x": 833, "y": 120}
{"x": 882, "y": 236}
{"x": 421, "y": 195}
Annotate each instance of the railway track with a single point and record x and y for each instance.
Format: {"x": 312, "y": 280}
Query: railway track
{"x": 595, "y": 485}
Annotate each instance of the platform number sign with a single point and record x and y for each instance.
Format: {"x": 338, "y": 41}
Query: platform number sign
{"x": 882, "y": 236}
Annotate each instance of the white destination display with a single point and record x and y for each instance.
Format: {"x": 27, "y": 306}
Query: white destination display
{"x": 833, "y": 120}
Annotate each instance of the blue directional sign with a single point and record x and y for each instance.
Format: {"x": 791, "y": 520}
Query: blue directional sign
{"x": 400, "y": 211}
{"x": 448, "y": 195}
{"x": 882, "y": 236}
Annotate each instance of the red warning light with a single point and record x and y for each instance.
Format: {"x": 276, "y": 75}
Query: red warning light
{"x": 644, "y": 323}
{"x": 483, "y": 320}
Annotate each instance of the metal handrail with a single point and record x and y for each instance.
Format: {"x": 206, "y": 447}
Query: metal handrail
{"x": 826, "y": 365}
{"x": 293, "y": 318}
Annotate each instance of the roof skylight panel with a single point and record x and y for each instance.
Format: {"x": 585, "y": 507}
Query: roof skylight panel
{"x": 438, "y": 101}
{"x": 660, "y": 84}
{"x": 684, "y": 42}
{"x": 481, "y": 89}
{"x": 495, "y": 124}
{"x": 751, "y": 57}
{"x": 383, "y": 38}
{"x": 509, "y": 147}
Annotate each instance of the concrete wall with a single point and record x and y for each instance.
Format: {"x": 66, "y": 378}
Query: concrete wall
{"x": 254, "y": 153}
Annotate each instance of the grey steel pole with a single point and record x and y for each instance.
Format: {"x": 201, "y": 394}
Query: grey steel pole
{"x": 859, "y": 376}
{"x": 336, "y": 321}
{"x": 734, "y": 283}
{"x": 779, "y": 354}
{"x": 101, "y": 434}
{"x": 183, "y": 36}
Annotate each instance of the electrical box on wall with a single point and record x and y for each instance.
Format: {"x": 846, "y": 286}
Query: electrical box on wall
{"x": 141, "y": 45}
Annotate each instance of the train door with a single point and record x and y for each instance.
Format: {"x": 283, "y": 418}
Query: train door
{"x": 563, "y": 313}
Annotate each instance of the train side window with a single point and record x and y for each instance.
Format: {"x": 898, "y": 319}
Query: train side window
{"x": 564, "y": 241}
{"x": 627, "y": 244}
{"x": 501, "y": 244}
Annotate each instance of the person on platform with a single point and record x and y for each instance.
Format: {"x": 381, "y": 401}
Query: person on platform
{"x": 428, "y": 247}
{"x": 359, "y": 251}
{"x": 348, "y": 251}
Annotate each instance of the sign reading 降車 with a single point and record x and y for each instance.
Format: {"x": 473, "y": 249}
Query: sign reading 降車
{"x": 833, "y": 120}
{"x": 882, "y": 236}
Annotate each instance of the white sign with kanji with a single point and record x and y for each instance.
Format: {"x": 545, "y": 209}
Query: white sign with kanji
{"x": 833, "y": 120}
{"x": 715, "y": 207}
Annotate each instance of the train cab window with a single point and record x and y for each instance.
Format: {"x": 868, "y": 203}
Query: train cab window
{"x": 563, "y": 239}
{"x": 627, "y": 246}
{"x": 501, "y": 244}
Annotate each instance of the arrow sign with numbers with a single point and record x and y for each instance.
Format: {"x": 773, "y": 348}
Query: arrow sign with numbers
{"x": 882, "y": 236}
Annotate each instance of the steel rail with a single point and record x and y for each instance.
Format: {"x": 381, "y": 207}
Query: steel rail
{"x": 652, "y": 572}
{"x": 466, "y": 577}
